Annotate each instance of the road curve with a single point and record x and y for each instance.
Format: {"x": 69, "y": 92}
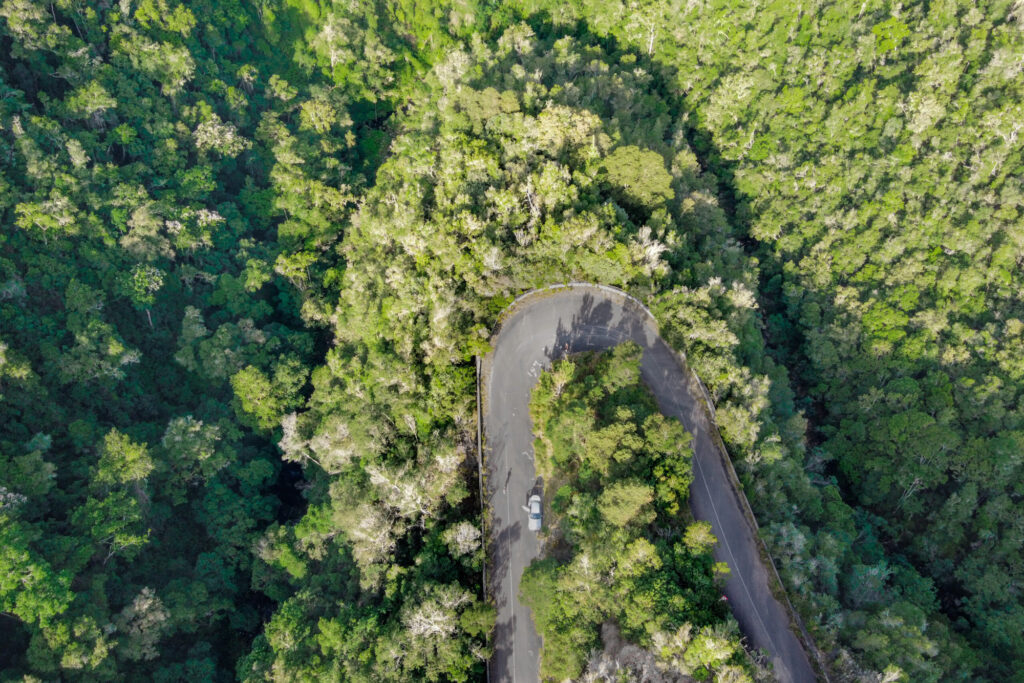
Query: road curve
{"x": 543, "y": 326}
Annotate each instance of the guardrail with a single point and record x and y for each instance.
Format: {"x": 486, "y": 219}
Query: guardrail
{"x": 484, "y": 531}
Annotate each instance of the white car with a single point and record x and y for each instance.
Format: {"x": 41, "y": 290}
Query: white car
{"x": 534, "y": 524}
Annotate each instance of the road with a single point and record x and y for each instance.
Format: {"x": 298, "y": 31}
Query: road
{"x": 542, "y": 327}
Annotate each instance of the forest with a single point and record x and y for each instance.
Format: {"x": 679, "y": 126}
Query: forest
{"x": 250, "y": 249}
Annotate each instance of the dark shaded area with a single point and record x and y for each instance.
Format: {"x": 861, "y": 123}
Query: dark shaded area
{"x": 288, "y": 488}
{"x": 14, "y": 636}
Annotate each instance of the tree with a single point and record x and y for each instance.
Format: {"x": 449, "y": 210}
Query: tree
{"x": 140, "y": 286}
{"x": 143, "y": 623}
{"x": 262, "y": 400}
{"x": 30, "y": 588}
{"x": 122, "y": 461}
{"x": 698, "y": 537}
{"x": 639, "y": 177}
{"x": 192, "y": 454}
{"x": 463, "y": 538}
{"x": 114, "y": 523}
{"x": 624, "y": 501}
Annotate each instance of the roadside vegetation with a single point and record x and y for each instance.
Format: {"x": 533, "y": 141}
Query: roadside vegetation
{"x": 622, "y": 551}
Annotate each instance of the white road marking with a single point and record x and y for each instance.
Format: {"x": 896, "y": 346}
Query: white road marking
{"x": 728, "y": 548}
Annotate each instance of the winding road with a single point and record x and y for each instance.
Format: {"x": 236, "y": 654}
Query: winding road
{"x": 543, "y": 326}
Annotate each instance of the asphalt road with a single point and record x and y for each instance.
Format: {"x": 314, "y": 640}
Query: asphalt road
{"x": 542, "y": 327}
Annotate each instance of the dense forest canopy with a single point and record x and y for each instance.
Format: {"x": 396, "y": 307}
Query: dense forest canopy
{"x": 249, "y": 250}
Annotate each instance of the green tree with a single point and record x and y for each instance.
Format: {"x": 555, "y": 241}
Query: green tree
{"x": 30, "y": 588}
{"x": 624, "y": 502}
{"x": 638, "y": 177}
{"x": 122, "y": 461}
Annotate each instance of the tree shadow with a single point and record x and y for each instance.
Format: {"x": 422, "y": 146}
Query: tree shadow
{"x": 502, "y": 636}
{"x": 506, "y": 538}
{"x": 593, "y": 327}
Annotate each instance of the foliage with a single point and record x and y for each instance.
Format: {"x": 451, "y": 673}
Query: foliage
{"x": 137, "y": 200}
{"x": 248, "y": 251}
{"x": 622, "y": 550}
